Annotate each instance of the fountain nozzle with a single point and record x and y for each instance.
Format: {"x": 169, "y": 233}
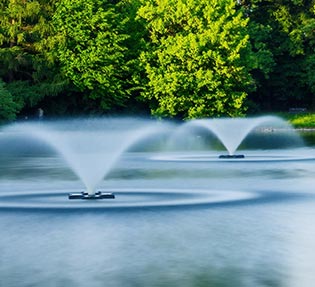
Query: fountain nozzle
{"x": 231, "y": 156}
{"x": 96, "y": 195}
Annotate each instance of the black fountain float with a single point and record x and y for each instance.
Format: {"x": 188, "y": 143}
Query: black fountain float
{"x": 94, "y": 196}
{"x": 231, "y": 156}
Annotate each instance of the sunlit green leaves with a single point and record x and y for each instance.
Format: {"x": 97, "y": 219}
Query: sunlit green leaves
{"x": 92, "y": 49}
{"x": 194, "y": 62}
{"x": 184, "y": 58}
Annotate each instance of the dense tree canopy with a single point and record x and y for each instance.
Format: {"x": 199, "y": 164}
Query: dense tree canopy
{"x": 289, "y": 41}
{"x": 91, "y": 48}
{"x": 8, "y": 107}
{"x": 177, "y": 58}
{"x": 195, "y": 61}
{"x": 25, "y": 66}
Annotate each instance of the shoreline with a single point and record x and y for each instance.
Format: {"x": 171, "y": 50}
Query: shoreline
{"x": 304, "y": 129}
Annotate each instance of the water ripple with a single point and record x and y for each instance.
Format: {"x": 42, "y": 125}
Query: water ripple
{"x": 134, "y": 199}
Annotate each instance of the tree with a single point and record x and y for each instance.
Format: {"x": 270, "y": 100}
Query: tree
{"x": 26, "y": 67}
{"x": 93, "y": 49}
{"x": 289, "y": 40}
{"x": 307, "y": 35}
{"x": 195, "y": 60}
{"x": 8, "y": 107}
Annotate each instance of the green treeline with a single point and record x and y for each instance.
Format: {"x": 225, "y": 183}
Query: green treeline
{"x": 168, "y": 58}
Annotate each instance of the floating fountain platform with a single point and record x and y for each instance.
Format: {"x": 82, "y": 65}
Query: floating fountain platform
{"x": 231, "y": 156}
{"x": 96, "y": 195}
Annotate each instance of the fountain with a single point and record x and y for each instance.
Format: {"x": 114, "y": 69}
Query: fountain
{"x": 231, "y": 133}
{"x": 187, "y": 220}
{"x": 90, "y": 147}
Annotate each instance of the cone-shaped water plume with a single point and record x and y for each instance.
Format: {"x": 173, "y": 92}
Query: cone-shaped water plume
{"x": 231, "y": 132}
{"x": 90, "y": 147}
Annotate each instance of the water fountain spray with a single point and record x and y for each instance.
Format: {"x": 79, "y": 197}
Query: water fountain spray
{"x": 90, "y": 147}
{"x": 232, "y": 131}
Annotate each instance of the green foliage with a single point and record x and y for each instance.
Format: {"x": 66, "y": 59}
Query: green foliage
{"x": 302, "y": 120}
{"x": 194, "y": 59}
{"x": 8, "y": 107}
{"x": 93, "y": 49}
{"x": 289, "y": 82}
{"x": 183, "y": 58}
{"x": 26, "y": 64}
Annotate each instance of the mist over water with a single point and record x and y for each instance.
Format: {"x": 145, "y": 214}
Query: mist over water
{"x": 232, "y": 132}
{"x": 180, "y": 217}
{"x": 90, "y": 147}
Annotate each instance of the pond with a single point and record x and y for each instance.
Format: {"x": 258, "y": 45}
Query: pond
{"x": 179, "y": 218}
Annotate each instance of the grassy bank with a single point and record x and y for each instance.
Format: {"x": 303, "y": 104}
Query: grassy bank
{"x": 300, "y": 120}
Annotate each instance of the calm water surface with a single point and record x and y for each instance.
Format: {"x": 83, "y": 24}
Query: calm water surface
{"x": 259, "y": 230}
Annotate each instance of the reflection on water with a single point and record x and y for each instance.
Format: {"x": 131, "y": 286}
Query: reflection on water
{"x": 257, "y": 243}
{"x": 308, "y": 137}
